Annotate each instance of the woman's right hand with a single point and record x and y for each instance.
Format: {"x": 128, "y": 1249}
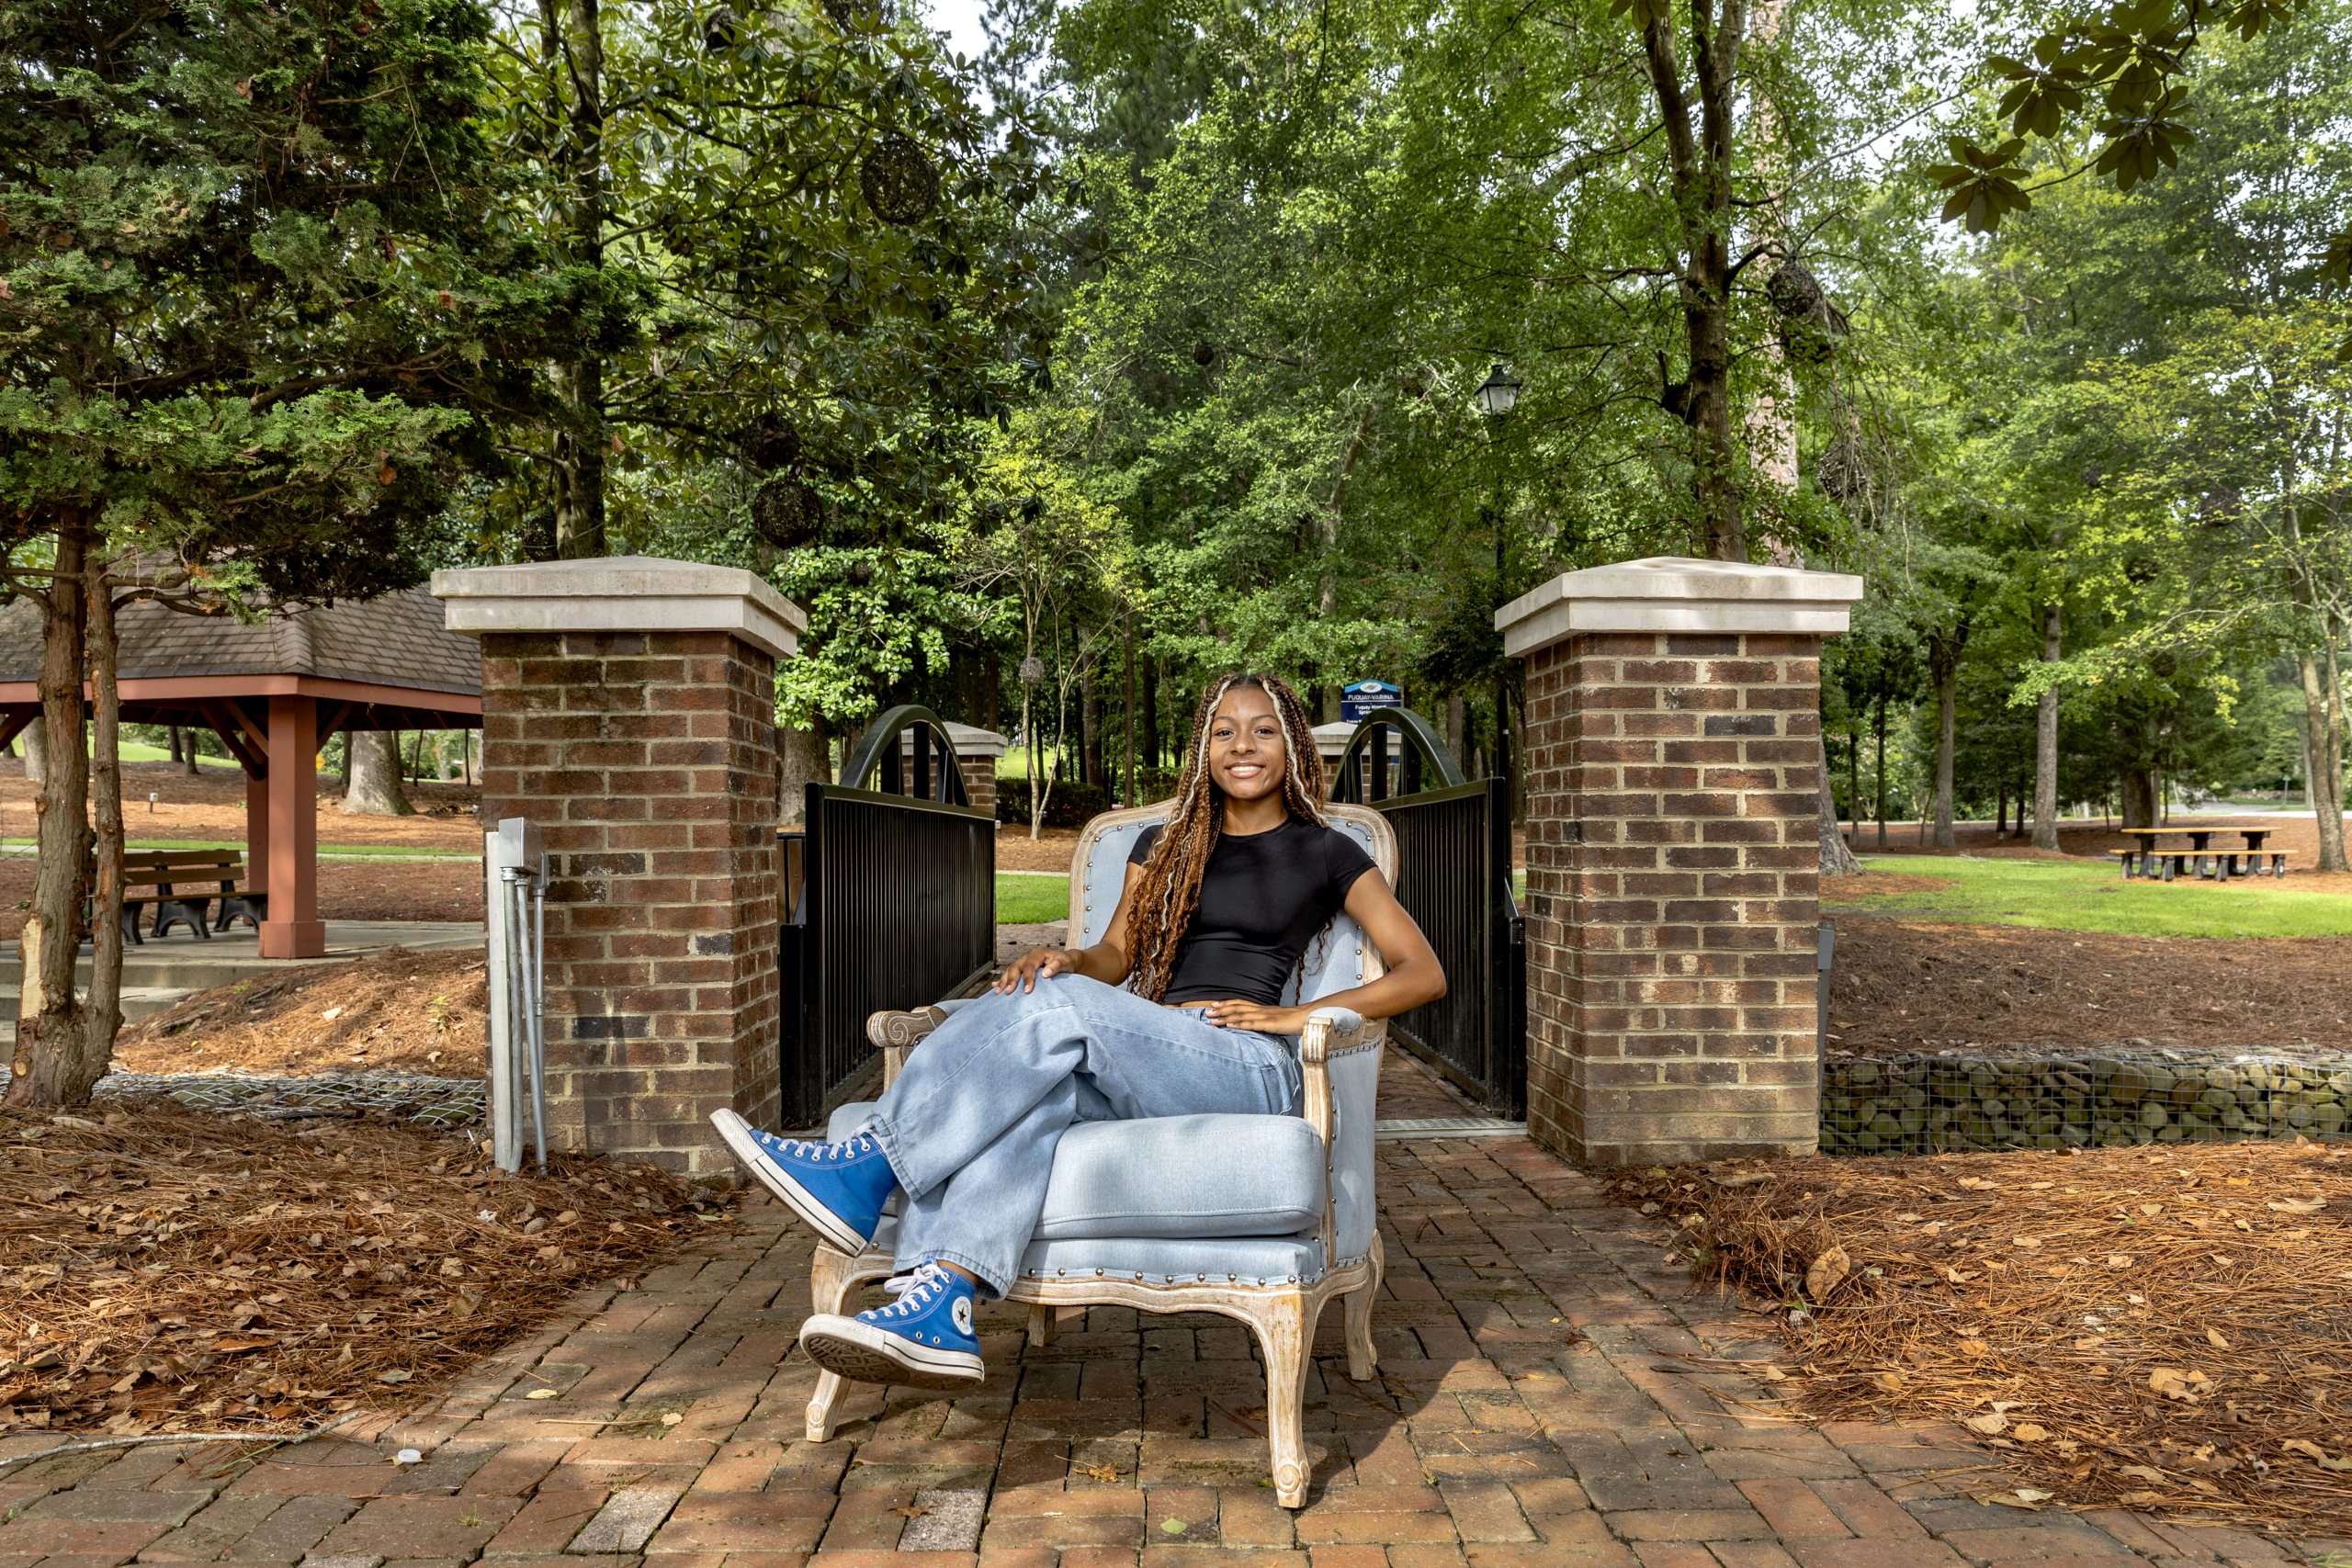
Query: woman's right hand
{"x": 1038, "y": 963}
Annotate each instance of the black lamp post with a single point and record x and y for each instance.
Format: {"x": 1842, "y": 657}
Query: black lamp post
{"x": 1497, "y": 394}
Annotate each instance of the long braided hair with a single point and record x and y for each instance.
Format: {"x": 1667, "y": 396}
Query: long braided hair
{"x": 1170, "y": 890}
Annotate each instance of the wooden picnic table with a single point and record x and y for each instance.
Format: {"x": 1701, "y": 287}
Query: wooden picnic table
{"x": 2150, "y": 855}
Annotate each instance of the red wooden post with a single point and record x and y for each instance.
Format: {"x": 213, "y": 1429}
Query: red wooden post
{"x": 257, "y": 833}
{"x": 292, "y": 928}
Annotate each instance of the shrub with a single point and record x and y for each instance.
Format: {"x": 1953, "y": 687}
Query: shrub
{"x": 1068, "y": 805}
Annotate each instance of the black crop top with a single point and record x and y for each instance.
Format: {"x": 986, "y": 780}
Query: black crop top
{"x": 1263, "y": 896}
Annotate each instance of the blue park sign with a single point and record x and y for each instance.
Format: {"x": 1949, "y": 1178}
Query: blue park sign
{"x": 1357, "y": 698}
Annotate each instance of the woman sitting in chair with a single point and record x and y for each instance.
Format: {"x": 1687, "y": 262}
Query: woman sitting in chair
{"x": 1215, "y": 913}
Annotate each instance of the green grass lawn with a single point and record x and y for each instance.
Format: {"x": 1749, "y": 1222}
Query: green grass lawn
{"x": 2089, "y": 896}
{"x": 1031, "y": 898}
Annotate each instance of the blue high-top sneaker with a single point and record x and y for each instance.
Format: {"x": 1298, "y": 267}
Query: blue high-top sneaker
{"x": 923, "y": 1339}
{"x": 838, "y": 1188}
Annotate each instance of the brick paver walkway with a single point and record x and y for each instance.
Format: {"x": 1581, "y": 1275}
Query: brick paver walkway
{"x": 1535, "y": 1408}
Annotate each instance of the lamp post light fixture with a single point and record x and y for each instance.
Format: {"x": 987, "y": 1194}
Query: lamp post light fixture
{"x": 1498, "y": 395}
{"x": 1500, "y": 391}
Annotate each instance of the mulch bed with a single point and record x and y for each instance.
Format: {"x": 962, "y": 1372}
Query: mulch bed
{"x": 393, "y": 1010}
{"x": 1906, "y": 984}
{"x": 2165, "y": 1329}
{"x": 164, "y": 1270}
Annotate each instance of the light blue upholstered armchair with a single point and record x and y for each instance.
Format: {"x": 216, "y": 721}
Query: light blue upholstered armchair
{"x": 1268, "y": 1234}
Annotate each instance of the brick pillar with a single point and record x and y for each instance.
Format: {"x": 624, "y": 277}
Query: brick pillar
{"x": 628, "y": 709}
{"x": 977, "y": 752}
{"x": 1673, "y": 756}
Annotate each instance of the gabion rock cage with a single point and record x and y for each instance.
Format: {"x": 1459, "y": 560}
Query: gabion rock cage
{"x": 1937, "y": 1104}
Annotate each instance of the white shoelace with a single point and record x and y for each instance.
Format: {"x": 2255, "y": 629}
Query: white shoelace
{"x": 805, "y": 1148}
{"x": 913, "y": 1291}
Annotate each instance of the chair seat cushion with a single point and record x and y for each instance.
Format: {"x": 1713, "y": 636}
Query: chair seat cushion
{"x": 1174, "y": 1176}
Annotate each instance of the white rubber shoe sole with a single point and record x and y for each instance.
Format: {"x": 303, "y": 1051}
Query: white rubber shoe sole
{"x": 863, "y": 1353}
{"x": 778, "y": 1180}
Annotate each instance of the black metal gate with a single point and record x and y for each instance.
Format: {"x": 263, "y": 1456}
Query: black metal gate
{"x": 888, "y": 900}
{"x": 1453, "y": 846}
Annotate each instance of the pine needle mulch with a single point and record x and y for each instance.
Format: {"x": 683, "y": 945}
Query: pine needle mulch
{"x": 168, "y": 1269}
{"x": 2165, "y": 1329}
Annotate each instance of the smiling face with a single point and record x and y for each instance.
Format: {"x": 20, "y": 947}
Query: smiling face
{"x": 1247, "y": 756}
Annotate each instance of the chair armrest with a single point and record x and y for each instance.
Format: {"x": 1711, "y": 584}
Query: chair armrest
{"x": 1330, "y": 1031}
{"x": 897, "y": 1032}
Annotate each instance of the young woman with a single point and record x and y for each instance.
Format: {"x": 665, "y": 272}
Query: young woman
{"x": 1214, "y": 915}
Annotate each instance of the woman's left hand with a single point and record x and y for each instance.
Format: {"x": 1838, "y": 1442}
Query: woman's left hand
{"x": 1236, "y": 1014}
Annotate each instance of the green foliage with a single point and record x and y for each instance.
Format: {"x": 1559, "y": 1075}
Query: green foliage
{"x": 250, "y": 282}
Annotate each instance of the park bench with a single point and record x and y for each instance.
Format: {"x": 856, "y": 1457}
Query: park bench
{"x": 1118, "y": 1231}
{"x": 182, "y": 884}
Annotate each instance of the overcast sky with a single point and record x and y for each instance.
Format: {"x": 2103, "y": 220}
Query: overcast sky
{"x": 960, "y": 20}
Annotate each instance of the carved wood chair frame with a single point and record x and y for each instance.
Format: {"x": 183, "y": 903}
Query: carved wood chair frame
{"x": 1283, "y": 1317}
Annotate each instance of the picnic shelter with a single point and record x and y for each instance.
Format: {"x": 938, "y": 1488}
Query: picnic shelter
{"x": 274, "y": 690}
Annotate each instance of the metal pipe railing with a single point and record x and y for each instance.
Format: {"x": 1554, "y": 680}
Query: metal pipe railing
{"x": 515, "y": 869}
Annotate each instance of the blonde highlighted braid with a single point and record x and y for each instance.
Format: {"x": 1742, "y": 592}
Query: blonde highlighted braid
{"x": 1170, "y": 891}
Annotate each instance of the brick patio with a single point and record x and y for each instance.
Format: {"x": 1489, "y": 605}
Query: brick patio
{"x": 1534, "y": 1409}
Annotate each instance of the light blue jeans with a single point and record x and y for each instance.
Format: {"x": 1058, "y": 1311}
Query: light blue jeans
{"x": 971, "y": 1123}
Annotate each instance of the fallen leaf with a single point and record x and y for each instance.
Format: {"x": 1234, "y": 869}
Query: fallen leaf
{"x": 229, "y": 1344}
{"x": 1099, "y": 1472}
{"x": 395, "y": 1375}
{"x": 2027, "y": 1432}
{"x": 2174, "y": 1383}
{"x": 1973, "y": 1347}
{"x": 2031, "y": 1494}
{"x": 912, "y": 1510}
{"x": 671, "y": 1418}
{"x": 2028, "y": 1241}
{"x": 1991, "y": 1425}
{"x": 1891, "y": 1381}
{"x": 2143, "y": 1473}
{"x": 540, "y": 1394}
{"x": 1825, "y": 1274}
{"x": 2296, "y": 1205}
{"x": 2213, "y": 1338}
{"x": 1172, "y": 1526}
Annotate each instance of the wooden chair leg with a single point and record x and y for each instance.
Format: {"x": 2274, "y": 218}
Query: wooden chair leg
{"x": 831, "y": 1276}
{"x": 1041, "y": 1324}
{"x": 1364, "y": 1361}
{"x": 1283, "y": 1328}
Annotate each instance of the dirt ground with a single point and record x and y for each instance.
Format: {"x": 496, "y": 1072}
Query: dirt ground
{"x": 1903, "y": 985}
{"x": 2163, "y": 1327}
{"x": 172, "y": 1270}
{"x": 210, "y": 807}
{"x": 415, "y": 1012}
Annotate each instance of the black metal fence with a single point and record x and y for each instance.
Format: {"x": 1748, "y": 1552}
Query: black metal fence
{"x": 889, "y": 893}
{"x": 1453, "y": 878}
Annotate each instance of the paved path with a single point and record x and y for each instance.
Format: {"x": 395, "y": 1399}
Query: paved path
{"x": 1532, "y": 1410}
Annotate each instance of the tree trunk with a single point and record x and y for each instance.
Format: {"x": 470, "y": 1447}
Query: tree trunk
{"x": 1838, "y": 859}
{"x": 102, "y": 1010}
{"x": 47, "y": 1063}
{"x": 2323, "y": 723}
{"x": 371, "y": 774}
{"x": 1879, "y": 730}
{"x": 2001, "y": 813}
{"x": 573, "y": 46}
{"x": 36, "y": 752}
{"x": 803, "y": 757}
{"x": 2045, "y": 738}
{"x": 2139, "y": 799}
{"x": 1943, "y": 662}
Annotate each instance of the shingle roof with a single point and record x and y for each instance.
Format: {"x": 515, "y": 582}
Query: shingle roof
{"x": 396, "y": 639}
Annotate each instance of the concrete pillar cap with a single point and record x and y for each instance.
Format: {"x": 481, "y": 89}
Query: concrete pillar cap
{"x": 1677, "y": 594}
{"x": 620, "y": 593}
{"x": 971, "y": 740}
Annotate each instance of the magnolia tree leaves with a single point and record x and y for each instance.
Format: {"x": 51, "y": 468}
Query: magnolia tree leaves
{"x": 2130, "y": 58}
